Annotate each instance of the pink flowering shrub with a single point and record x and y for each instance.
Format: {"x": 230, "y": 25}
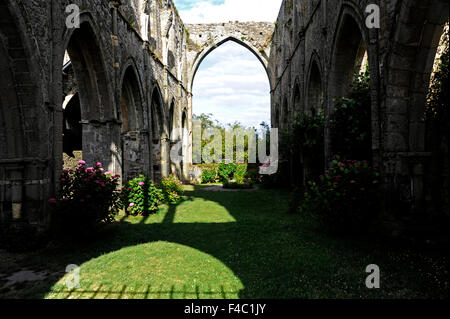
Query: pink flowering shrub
{"x": 172, "y": 189}
{"x": 140, "y": 196}
{"x": 88, "y": 199}
{"x": 346, "y": 199}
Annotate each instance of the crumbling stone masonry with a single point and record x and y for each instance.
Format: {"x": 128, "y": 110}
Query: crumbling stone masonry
{"x": 118, "y": 87}
{"x": 318, "y": 45}
{"x": 115, "y": 90}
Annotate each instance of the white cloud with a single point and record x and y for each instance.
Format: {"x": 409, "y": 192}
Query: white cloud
{"x": 231, "y": 10}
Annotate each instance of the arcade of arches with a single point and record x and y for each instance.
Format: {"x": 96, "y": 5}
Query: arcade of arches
{"x": 116, "y": 89}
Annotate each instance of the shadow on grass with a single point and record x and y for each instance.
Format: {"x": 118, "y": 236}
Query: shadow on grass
{"x": 273, "y": 254}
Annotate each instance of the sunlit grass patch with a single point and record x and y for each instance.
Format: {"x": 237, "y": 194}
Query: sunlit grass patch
{"x": 153, "y": 270}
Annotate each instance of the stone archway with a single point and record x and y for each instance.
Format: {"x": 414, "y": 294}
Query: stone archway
{"x": 159, "y": 136}
{"x": 26, "y": 170}
{"x": 133, "y": 141}
{"x": 204, "y": 38}
{"x": 96, "y": 100}
{"x": 315, "y": 96}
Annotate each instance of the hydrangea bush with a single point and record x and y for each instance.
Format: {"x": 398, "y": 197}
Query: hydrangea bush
{"x": 140, "y": 196}
{"x": 346, "y": 199}
{"x": 172, "y": 189}
{"x": 89, "y": 198}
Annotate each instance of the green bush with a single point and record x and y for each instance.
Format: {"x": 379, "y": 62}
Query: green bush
{"x": 350, "y": 123}
{"x": 240, "y": 173}
{"x": 244, "y": 184}
{"x": 209, "y": 175}
{"x": 226, "y": 171}
{"x": 88, "y": 199}
{"x": 346, "y": 199}
{"x": 140, "y": 196}
{"x": 172, "y": 189}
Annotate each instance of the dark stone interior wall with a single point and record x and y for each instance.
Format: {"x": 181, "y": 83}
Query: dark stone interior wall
{"x": 400, "y": 52}
{"x": 112, "y": 40}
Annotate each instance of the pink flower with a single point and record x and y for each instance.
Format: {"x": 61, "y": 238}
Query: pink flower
{"x": 52, "y": 200}
{"x": 82, "y": 162}
{"x": 131, "y": 205}
{"x": 89, "y": 169}
{"x": 63, "y": 180}
{"x": 98, "y": 164}
{"x": 109, "y": 173}
{"x": 266, "y": 164}
{"x": 141, "y": 184}
{"x": 352, "y": 182}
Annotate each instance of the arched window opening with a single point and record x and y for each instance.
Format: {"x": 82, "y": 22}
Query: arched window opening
{"x": 172, "y": 121}
{"x": 231, "y": 89}
{"x": 350, "y": 57}
{"x": 156, "y": 134}
{"x": 297, "y": 101}
{"x": 185, "y": 136}
{"x": 84, "y": 74}
{"x": 131, "y": 103}
{"x": 131, "y": 116}
{"x": 437, "y": 130}
{"x": 350, "y": 100}
{"x": 315, "y": 92}
{"x": 72, "y": 128}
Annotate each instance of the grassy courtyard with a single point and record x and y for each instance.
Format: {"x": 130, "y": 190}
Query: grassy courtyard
{"x": 236, "y": 244}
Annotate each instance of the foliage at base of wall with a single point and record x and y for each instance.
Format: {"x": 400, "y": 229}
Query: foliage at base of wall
{"x": 212, "y": 173}
{"x": 89, "y": 199}
{"x": 346, "y": 199}
{"x": 172, "y": 189}
{"x": 350, "y": 123}
{"x": 140, "y": 196}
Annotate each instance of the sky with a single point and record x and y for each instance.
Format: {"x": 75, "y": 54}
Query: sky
{"x": 210, "y": 11}
{"x": 231, "y": 82}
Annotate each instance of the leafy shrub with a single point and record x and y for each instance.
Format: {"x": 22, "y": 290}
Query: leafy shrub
{"x": 209, "y": 175}
{"x": 88, "y": 199}
{"x": 140, "y": 196}
{"x": 226, "y": 171}
{"x": 240, "y": 173}
{"x": 253, "y": 175}
{"x": 244, "y": 184}
{"x": 346, "y": 199}
{"x": 172, "y": 189}
{"x": 350, "y": 123}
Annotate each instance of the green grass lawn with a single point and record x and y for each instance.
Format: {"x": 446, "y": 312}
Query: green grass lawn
{"x": 228, "y": 245}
